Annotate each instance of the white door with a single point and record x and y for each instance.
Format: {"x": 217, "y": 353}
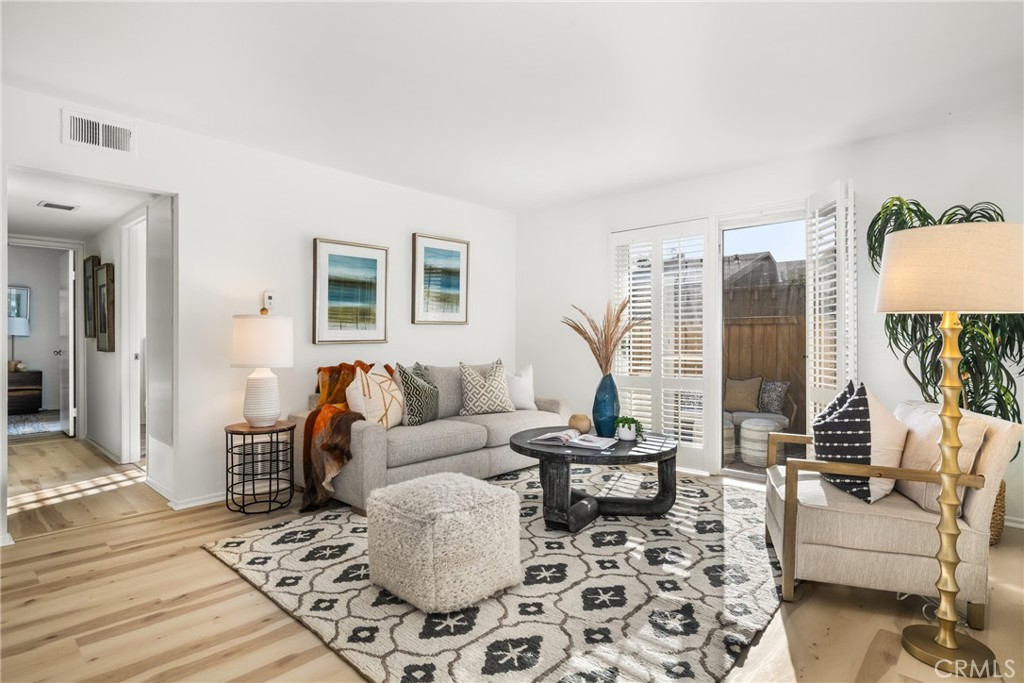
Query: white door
{"x": 662, "y": 368}
{"x": 134, "y": 275}
{"x": 831, "y": 294}
{"x": 66, "y": 339}
{"x": 158, "y": 342}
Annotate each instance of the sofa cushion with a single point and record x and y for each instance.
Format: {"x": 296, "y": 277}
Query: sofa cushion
{"x": 448, "y": 380}
{"x": 420, "y": 395}
{"x": 485, "y": 393}
{"x": 520, "y": 389}
{"x": 828, "y": 516}
{"x": 408, "y": 445}
{"x": 376, "y": 395}
{"x": 741, "y": 394}
{"x": 501, "y": 426}
{"x": 922, "y": 451}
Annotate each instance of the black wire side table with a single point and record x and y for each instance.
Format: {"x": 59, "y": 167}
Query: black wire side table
{"x": 259, "y": 470}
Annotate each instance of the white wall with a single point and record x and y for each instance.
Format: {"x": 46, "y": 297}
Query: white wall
{"x": 246, "y": 223}
{"x": 564, "y": 254}
{"x": 103, "y": 368}
{"x": 37, "y": 269}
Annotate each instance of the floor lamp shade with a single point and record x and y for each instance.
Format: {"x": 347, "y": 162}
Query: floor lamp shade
{"x": 18, "y": 327}
{"x": 964, "y": 267}
{"x": 951, "y": 269}
{"x": 261, "y": 342}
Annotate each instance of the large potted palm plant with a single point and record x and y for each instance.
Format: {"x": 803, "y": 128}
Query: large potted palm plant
{"x": 989, "y": 343}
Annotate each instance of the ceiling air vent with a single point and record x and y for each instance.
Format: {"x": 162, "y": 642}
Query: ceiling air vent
{"x": 95, "y": 131}
{"x": 54, "y": 205}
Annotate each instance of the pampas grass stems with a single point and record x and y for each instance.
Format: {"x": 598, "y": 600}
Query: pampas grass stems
{"x": 604, "y": 338}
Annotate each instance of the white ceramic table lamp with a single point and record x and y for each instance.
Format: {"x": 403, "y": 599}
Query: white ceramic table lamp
{"x": 951, "y": 269}
{"x": 261, "y": 342}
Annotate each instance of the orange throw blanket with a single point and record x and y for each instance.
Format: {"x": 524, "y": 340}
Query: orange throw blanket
{"x": 326, "y": 447}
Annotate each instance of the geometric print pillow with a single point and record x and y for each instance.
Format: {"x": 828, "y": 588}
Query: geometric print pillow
{"x": 421, "y": 395}
{"x": 489, "y": 394}
{"x": 857, "y": 428}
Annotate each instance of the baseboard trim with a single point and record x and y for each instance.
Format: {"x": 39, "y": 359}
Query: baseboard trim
{"x": 104, "y": 451}
{"x": 1015, "y": 522}
{"x": 197, "y": 501}
{"x": 160, "y": 489}
{"x": 7, "y": 539}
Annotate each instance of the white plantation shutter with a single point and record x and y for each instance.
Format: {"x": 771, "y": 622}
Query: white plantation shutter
{"x": 660, "y": 366}
{"x": 831, "y": 295}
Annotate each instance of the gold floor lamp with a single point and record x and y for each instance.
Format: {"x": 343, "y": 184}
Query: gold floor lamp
{"x": 951, "y": 269}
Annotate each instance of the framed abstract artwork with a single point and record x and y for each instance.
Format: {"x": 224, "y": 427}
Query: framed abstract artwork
{"x": 105, "y": 307}
{"x": 440, "y": 280}
{"x": 350, "y": 283}
{"x": 89, "y": 266}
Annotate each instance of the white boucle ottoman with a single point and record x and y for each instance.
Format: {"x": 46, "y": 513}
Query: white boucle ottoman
{"x": 445, "y": 541}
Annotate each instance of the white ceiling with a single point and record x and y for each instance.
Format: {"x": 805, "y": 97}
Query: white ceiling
{"x": 524, "y": 105}
{"x": 99, "y": 205}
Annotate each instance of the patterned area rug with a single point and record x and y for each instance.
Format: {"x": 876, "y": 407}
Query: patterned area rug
{"x": 669, "y": 598}
{"x": 34, "y": 423}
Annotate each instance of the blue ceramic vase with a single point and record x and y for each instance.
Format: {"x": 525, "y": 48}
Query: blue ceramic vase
{"x": 606, "y": 406}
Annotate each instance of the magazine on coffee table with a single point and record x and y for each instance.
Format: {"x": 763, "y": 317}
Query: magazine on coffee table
{"x": 574, "y": 439}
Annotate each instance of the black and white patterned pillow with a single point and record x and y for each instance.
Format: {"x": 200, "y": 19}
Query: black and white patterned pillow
{"x": 842, "y": 433}
{"x": 773, "y": 397}
{"x": 421, "y": 395}
{"x": 857, "y": 428}
{"x": 487, "y": 394}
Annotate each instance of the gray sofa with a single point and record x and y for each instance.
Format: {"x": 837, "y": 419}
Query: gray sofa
{"x": 475, "y": 445}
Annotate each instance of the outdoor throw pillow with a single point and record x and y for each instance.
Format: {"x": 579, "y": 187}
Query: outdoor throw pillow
{"x": 420, "y": 395}
{"x": 520, "y": 389}
{"x": 857, "y": 428}
{"x": 741, "y": 395}
{"x": 773, "y": 397}
{"x": 485, "y": 394}
{"x": 377, "y": 396}
{"x": 922, "y": 450}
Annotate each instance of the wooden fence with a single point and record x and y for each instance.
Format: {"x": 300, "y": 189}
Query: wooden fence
{"x": 774, "y": 348}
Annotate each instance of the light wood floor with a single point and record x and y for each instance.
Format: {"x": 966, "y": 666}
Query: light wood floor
{"x": 137, "y": 599}
{"x": 56, "y": 483}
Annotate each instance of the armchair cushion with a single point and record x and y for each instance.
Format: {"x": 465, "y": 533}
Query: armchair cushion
{"x": 922, "y": 450}
{"x": 741, "y": 394}
{"x": 860, "y": 431}
{"x": 828, "y": 516}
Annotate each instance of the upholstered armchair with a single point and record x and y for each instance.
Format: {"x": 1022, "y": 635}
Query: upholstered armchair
{"x": 830, "y": 536}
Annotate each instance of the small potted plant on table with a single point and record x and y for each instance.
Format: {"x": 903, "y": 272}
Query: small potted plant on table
{"x": 629, "y": 428}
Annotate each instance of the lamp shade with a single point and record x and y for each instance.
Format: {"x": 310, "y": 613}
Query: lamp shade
{"x": 964, "y": 267}
{"x": 261, "y": 341}
{"x": 17, "y": 327}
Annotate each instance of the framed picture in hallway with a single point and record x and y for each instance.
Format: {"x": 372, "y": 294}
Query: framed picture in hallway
{"x": 105, "y": 307}
{"x": 350, "y": 286}
{"x": 440, "y": 280}
{"x": 89, "y": 266}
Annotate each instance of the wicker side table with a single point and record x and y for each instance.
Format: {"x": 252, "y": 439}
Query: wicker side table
{"x": 258, "y": 468}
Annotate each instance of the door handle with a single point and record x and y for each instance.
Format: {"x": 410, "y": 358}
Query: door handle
{"x": 58, "y": 352}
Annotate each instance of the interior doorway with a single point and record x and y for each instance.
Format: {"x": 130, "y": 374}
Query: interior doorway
{"x": 96, "y": 467}
{"x": 41, "y": 314}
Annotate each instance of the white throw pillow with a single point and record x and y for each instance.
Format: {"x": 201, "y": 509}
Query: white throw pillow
{"x": 888, "y": 436}
{"x": 520, "y": 389}
{"x": 377, "y": 396}
{"x": 922, "y": 450}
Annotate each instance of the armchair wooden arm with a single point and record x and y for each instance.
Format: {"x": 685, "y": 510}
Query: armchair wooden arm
{"x": 795, "y": 466}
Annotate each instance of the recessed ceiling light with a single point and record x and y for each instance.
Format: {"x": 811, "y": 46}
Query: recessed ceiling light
{"x": 53, "y": 205}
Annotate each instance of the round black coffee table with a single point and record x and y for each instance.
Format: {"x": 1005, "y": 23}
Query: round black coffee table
{"x": 573, "y": 509}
